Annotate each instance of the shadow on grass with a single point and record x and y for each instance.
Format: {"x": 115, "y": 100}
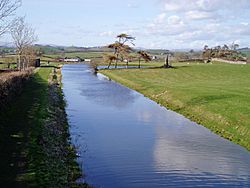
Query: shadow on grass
{"x": 16, "y": 124}
{"x": 48, "y": 66}
{"x": 145, "y": 67}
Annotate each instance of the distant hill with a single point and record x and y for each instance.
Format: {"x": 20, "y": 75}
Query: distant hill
{"x": 54, "y": 49}
{"x": 47, "y": 49}
{"x": 5, "y": 49}
{"x": 245, "y": 51}
{"x": 50, "y": 49}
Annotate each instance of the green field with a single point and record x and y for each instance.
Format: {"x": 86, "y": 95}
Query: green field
{"x": 77, "y": 54}
{"x": 214, "y": 95}
{"x": 245, "y": 51}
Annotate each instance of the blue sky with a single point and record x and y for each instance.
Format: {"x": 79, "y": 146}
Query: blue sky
{"x": 171, "y": 24}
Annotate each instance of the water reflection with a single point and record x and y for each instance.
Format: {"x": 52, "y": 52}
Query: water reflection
{"x": 106, "y": 93}
{"x": 183, "y": 156}
{"x": 184, "y": 150}
{"x": 127, "y": 140}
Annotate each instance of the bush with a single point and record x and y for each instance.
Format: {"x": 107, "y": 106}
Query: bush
{"x": 11, "y": 85}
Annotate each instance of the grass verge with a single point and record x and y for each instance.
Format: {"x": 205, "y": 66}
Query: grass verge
{"x": 35, "y": 146}
{"x": 214, "y": 95}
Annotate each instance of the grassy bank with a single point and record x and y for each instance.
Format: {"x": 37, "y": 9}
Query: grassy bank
{"x": 214, "y": 95}
{"x": 35, "y": 148}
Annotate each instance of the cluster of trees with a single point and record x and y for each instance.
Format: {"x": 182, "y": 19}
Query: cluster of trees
{"x": 22, "y": 34}
{"x": 123, "y": 52}
{"x": 228, "y": 52}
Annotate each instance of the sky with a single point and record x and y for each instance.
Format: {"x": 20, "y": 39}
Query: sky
{"x": 165, "y": 24}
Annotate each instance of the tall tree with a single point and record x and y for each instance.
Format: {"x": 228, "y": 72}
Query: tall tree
{"x": 117, "y": 46}
{"x": 7, "y": 10}
{"x": 143, "y": 55}
{"x": 24, "y": 37}
{"x": 124, "y": 38}
{"x": 109, "y": 59}
{"x": 121, "y": 47}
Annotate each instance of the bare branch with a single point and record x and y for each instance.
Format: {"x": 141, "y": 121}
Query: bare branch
{"x": 23, "y": 36}
{"x": 7, "y": 10}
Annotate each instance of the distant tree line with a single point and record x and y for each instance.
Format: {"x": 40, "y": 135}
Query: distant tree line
{"x": 228, "y": 52}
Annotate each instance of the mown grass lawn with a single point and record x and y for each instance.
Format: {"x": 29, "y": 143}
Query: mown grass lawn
{"x": 215, "y": 95}
{"x": 77, "y": 54}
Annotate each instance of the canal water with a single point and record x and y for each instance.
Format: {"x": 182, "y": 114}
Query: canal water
{"x": 127, "y": 140}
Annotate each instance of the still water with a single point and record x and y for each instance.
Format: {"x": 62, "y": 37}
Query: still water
{"x": 127, "y": 140}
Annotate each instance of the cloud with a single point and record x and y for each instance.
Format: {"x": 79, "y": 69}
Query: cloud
{"x": 160, "y": 18}
{"x": 132, "y": 5}
{"x": 156, "y": 23}
{"x": 193, "y": 23}
{"x": 174, "y": 20}
{"x": 244, "y": 23}
{"x": 106, "y": 34}
{"x": 200, "y": 15}
{"x": 204, "y": 5}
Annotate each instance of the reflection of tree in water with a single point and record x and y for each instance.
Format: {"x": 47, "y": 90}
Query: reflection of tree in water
{"x": 107, "y": 93}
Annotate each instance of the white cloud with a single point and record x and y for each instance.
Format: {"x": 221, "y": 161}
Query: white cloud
{"x": 244, "y": 23}
{"x": 174, "y": 20}
{"x": 106, "y": 34}
{"x": 200, "y": 15}
{"x": 160, "y": 18}
{"x": 203, "y": 5}
{"x": 171, "y": 6}
{"x": 133, "y": 5}
{"x": 193, "y": 23}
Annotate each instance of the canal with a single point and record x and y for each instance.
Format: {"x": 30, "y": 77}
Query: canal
{"x": 127, "y": 140}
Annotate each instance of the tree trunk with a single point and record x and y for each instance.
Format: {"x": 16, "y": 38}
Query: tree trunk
{"x": 23, "y": 66}
{"x": 28, "y": 62}
{"x": 139, "y": 66}
{"x": 109, "y": 64}
{"x": 19, "y": 62}
{"x": 116, "y": 63}
{"x": 166, "y": 65}
{"x": 116, "y": 60}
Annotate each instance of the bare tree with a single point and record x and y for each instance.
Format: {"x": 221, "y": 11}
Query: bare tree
{"x": 23, "y": 36}
{"x": 7, "y": 10}
{"x": 29, "y": 56}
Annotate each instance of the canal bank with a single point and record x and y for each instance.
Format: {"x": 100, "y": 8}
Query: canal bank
{"x": 213, "y": 95}
{"x": 126, "y": 140}
{"x": 35, "y": 144}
